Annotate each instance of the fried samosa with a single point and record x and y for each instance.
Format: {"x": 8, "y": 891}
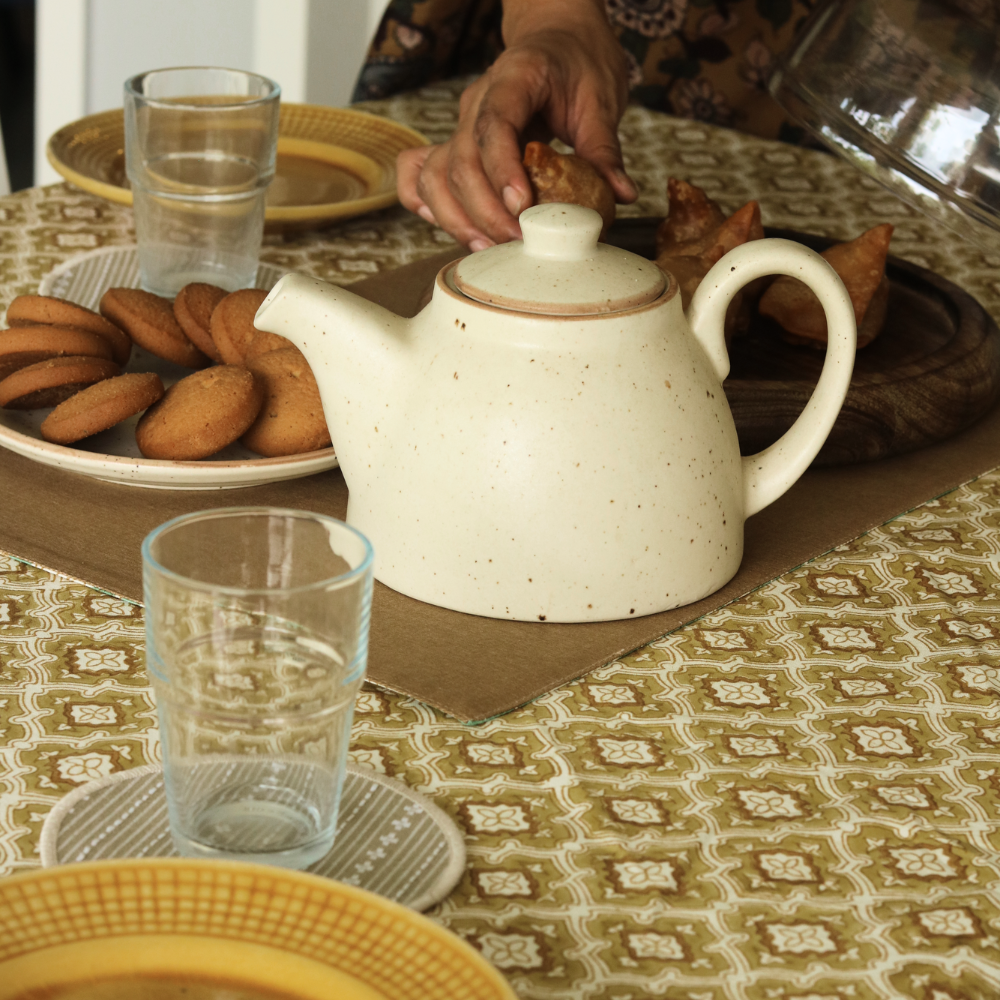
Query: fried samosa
{"x": 692, "y": 216}
{"x": 695, "y": 235}
{"x": 861, "y": 266}
{"x": 564, "y": 177}
{"x": 690, "y": 262}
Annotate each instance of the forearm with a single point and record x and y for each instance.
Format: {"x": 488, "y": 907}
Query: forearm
{"x": 523, "y": 18}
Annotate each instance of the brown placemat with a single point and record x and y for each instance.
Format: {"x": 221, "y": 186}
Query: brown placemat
{"x": 470, "y": 667}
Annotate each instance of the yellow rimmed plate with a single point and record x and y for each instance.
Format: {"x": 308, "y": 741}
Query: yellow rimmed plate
{"x": 207, "y": 930}
{"x": 333, "y": 163}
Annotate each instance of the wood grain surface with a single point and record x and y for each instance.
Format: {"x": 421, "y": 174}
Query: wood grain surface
{"x": 933, "y": 370}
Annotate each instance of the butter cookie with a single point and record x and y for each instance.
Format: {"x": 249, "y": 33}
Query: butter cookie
{"x": 101, "y": 406}
{"x": 264, "y": 342}
{"x": 291, "y": 421}
{"x": 232, "y": 323}
{"x": 26, "y": 345}
{"x": 149, "y": 320}
{"x": 49, "y": 383}
{"x": 193, "y": 309}
{"x": 201, "y": 414}
{"x": 46, "y": 310}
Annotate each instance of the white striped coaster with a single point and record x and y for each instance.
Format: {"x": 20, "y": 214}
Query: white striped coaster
{"x": 85, "y": 278}
{"x": 390, "y": 840}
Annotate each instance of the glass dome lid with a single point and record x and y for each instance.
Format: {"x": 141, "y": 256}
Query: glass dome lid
{"x": 909, "y": 92}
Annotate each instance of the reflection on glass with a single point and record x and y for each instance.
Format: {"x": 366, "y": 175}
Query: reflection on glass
{"x": 908, "y": 92}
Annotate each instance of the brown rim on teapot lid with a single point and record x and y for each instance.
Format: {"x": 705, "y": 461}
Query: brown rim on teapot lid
{"x": 559, "y": 269}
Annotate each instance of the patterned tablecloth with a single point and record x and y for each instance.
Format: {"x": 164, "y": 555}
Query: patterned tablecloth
{"x": 794, "y": 798}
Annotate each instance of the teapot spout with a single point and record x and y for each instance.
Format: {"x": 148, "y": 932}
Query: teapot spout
{"x": 356, "y": 350}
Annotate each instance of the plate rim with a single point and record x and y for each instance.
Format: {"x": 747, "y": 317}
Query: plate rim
{"x": 161, "y": 472}
{"x": 272, "y": 214}
{"x": 235, "y": 872}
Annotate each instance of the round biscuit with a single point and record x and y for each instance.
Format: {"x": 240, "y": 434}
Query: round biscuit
{"x": 49, "y": 383}
{"x": 26, "y": 345}
{"x": 264, "y": 342}
{"x": 201, "y": 414}
{"x": 46, "y": 310}
{"x": 101, "y": 406}
{"x": 193, "y": 311}
{"x": 291, "y": 421}
{"x": 232, "y": 323}
{"x": 149, "y": 320}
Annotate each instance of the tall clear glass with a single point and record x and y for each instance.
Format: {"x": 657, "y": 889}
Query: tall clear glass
{"x": 200, "y": 150}
{"x": 257, "y": 641}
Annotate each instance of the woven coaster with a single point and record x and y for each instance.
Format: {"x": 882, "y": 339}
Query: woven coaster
{"x": 390, "y": 840}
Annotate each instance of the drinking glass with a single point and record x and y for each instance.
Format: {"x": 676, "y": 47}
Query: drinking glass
{"x": 909, "y": 92}
{"x": 256, "y": 640}
{"x": 200, "y": 149}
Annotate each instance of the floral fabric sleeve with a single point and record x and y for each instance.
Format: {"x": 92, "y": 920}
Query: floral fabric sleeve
{"x": 707, "y": 60}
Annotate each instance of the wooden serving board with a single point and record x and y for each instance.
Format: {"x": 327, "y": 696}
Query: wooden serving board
{"x": 933, "y": 370}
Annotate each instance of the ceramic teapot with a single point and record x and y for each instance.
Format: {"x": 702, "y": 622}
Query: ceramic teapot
{"x": 548, "y": 439}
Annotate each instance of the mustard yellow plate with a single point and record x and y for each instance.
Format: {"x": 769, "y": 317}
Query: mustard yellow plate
{"x": 180, "y": 929}
{"x": 333, "y": 163}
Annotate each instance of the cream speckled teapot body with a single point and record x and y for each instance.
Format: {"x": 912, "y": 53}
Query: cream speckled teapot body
{"x": 552, "y": 467}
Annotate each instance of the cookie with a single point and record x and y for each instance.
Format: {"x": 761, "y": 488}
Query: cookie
{"x": 201, "y": 414}
{"x": 49, "y": 383}
{"x": 264, "y": 342}
{"x": 193, "y": 311}
{"x": 101, "y": 406}
{"x": 232, "y": 324}
{"x": 291, "y": 421}
{"x": 44, "y": 310}
{"x": 26, "y": 345}
{"x": 149, "y": 320}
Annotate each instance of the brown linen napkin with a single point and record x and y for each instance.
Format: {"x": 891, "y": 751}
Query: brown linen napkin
{"x": 470, "y": 667}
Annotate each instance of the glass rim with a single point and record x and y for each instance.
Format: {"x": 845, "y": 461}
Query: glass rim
{"x": 179, "y": 104}
{"x": 215, "y": 513}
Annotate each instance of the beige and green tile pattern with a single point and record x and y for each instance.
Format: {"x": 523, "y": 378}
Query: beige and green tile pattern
{"x": 795, "y": 798}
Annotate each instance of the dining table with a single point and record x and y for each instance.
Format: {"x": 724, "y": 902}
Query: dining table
{"x": 793, "y": 797}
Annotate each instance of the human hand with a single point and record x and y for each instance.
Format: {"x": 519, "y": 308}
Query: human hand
{"x": 562, "y": 66}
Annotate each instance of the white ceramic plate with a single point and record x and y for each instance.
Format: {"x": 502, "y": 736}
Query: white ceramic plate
{"x": 113, "y": 455}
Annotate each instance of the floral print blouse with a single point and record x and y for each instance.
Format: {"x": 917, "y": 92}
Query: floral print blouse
{"x": 707, "y": 60}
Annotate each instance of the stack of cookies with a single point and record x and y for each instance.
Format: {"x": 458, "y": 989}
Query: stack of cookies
{"x": 249, "y": 385}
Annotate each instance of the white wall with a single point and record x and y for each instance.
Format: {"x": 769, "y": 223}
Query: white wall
{"x": 86, "y": 49}
{"x": 125, "y": 37}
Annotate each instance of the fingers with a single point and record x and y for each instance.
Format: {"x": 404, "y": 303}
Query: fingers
{"x": 597, "y": 141}
{"x": 573, "y": 79}
{"x": 592, "y": 113}
{"x": 432, "y": 197}
{"x": 508, "y": 107}
{"x": 476, "y": 192}
{"x": 409, "y": 165}
{"x": 448, "y": 184}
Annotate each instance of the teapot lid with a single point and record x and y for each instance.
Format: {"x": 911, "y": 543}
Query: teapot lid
{"x": 559, "y": 268}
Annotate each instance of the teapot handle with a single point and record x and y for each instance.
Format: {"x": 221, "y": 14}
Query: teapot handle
{"x": 772, "y": 471}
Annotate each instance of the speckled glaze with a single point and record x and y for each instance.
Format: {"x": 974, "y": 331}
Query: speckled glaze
{"x": 553, "y": 468}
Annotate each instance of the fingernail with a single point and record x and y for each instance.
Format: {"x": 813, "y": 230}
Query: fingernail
{"x": 479, "y": 244}
{"x": 627, "y": 183}
{"x": 513, "y": 199}
{"x": 427, "y": 215}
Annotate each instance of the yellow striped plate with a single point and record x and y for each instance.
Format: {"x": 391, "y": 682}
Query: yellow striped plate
{"x": 333, "y": 163}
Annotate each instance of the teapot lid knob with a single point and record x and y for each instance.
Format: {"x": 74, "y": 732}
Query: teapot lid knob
{"x": 559, "y": 269}
{"x": 560, "y": 232}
